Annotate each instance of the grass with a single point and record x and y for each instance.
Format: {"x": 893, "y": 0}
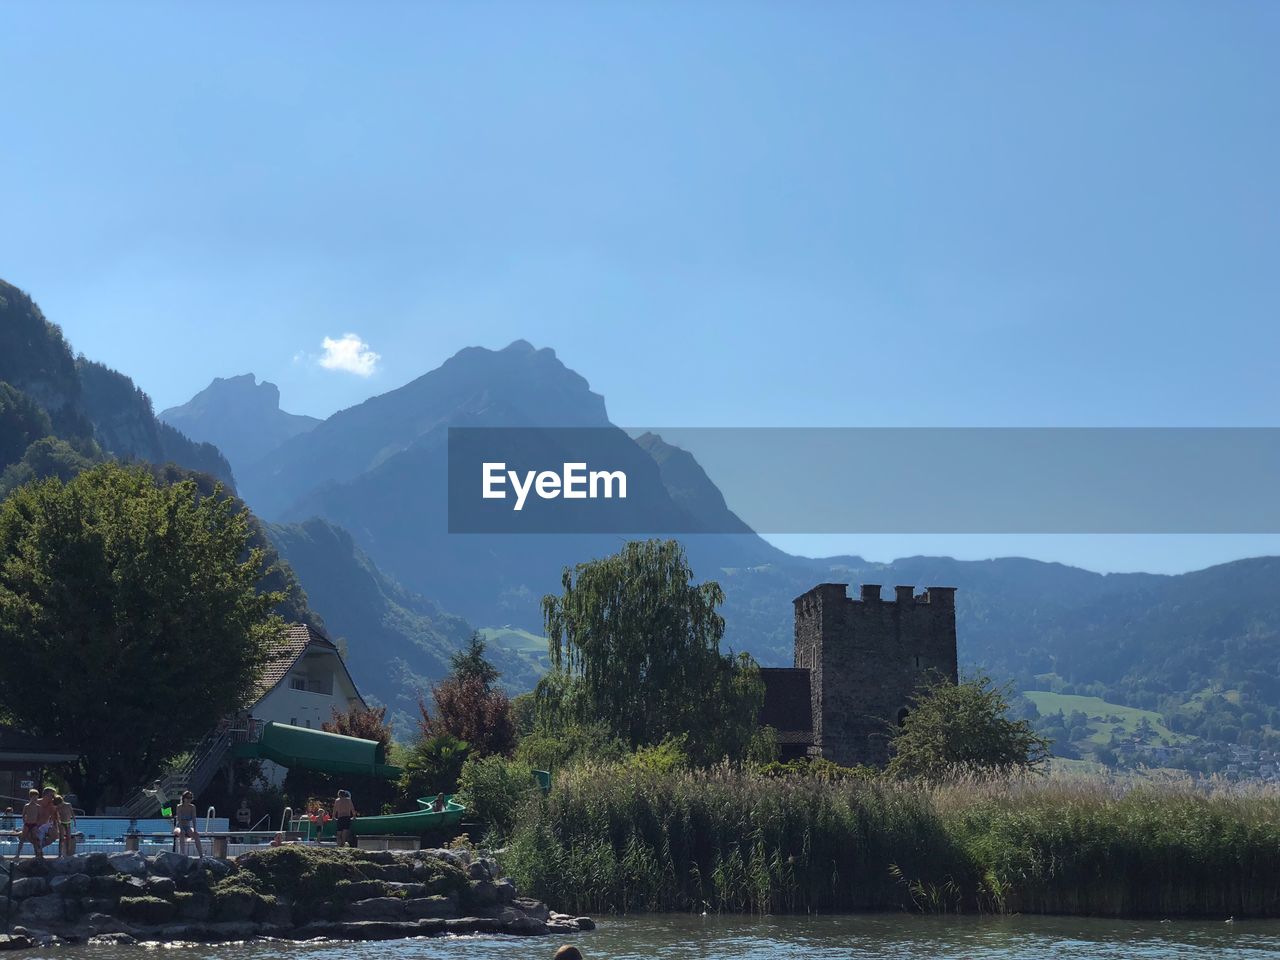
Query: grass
{"x": 614, "y": 839}
{"x": 1099, "y": 711}
{"x": 530, "y": 647}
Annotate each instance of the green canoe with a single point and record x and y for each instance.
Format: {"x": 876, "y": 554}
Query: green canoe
{"x": 395, "y": 824}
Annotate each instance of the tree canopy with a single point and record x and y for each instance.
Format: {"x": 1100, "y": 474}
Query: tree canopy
{"x": 468, "y": 707}
{"x": 958, "y": 729}
{"x": 132, "y": 618}
{"x": 635, "y": 644}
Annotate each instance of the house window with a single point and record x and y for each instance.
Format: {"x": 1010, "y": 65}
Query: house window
{"x": 308, "y": 724}
{"x": 293, "y": 721}
{"x": 300, "y": 683}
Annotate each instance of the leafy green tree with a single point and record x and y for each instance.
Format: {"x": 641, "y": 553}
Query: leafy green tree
{"x": 958, "y": 729}
{"x": 131, "y": 619}
{"x": 635, "y": 644}
{"x": 22, "y": 423}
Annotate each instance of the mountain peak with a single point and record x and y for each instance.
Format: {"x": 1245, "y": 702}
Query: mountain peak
{"x": 240, "y": 416}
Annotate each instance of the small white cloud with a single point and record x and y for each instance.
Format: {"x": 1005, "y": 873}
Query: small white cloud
{"x": 350, "y": 354}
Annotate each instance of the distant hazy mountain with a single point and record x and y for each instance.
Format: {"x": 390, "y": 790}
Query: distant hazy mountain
{"x": 239, "y": 416}
{"x": 92, "y": 410}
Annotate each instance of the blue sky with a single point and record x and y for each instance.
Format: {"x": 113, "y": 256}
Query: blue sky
{"x": 720, "y": 214}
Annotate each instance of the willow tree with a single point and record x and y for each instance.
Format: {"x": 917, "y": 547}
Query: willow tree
{"x": 635, "y": 645}
{"x": 132, "y": 618}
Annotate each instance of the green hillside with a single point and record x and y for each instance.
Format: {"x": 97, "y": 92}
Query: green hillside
{"x": 1105, "y": 719}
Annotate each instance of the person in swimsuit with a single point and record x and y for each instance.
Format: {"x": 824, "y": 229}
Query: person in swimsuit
{"x": 438, "y": 804}
{"x": 66, "y": 818}
{"x": 30, "y": 822}
{"x": 344, "y": 812}
{"x": 186, "y": 818}
{"x": 47, "y": 831}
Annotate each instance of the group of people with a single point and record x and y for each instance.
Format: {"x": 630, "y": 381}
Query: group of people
{"x": 47, "y": 816}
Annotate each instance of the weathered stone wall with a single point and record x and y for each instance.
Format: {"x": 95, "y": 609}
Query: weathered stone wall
{"x": 866, "y": 657}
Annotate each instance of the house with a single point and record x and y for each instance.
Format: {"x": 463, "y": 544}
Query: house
{"x": 24, "y": 759}
{"x": 303, "y": 684}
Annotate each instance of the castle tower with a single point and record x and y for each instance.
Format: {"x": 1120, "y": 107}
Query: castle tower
{"x": 866, "y": 657}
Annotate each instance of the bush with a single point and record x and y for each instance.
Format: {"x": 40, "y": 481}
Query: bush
{"x": 494, "y": 789}
{"x": 669, "y": 756}
{"x": 547, "y": 750}
{"x": 432, "y": 766}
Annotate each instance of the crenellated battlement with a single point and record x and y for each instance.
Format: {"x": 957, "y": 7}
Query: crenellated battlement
{"x": 867, "y": 656}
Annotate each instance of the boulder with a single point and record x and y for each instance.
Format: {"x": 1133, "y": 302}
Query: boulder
{"x": 162, "y": 887}
{"x": 147, "y": 910}
{"x": 526, "y": 927}
{"x": 585, "y": 923}
{"x": 532, "y": 908}
{"x": 235, "y": 904}
{"x": 376, "y": 908}
{"x": 77, "y": 864}
{"x": 131, "y": 863}
{"x": 195, "y": 906}
{"x": 477, "y": 870}
{"x": 15, "y": 941}
{"x": 112, "y": 939}
{"x": 49, "y": 908}
{"x": 351, "y": 890}
{"x": 97, "y": 864}
{"x": 484, "y": 893}
{"x": 506, "y": 889}
{"x": 421, "y": 908}
{"x": 29, "y": 887}
{"x": 171, "y": 864}
{"x": 72, "y": 884}
{"x": 215, "y": 867}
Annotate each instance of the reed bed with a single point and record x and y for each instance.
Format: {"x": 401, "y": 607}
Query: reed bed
{"x": 609, "y": 839}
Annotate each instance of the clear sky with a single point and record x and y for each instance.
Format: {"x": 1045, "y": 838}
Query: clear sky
{"x": 721, "y": 214}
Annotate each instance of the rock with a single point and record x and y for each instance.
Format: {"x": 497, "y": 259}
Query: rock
{"x": 491, "y": 865}
{"x": 376, "y": 908}
{"x": 97, "y": 864}
{"x": 561, "y": 926}
{"x": 112, "y": 939}
{"x": 147, "y": 910}
{"x": 219, "y": 868}
{"x": 484, "y": 893}
{"x": 50, "y": 908}
{"x": 72, "y": 884}
{"x": 526, "y": 927}
{"x": 33, "y": 867}
{"x": 162, "y": 887}
{"x": 352, "y": 890}
{"x": 378, "y": 930}
{"x": 473, "y": 925}
{"x": 77, "y": 864}
{"x": 532, "y": 908}
{"x": 195, "y": 906}
{"x": 585, "y": 923}
{"x": 14, "y": 941}
{"x": 97, "y": 905}
{"x": 170, "y": 864}
{"x": 235, "y": 904}
{"x": 421, "y": 908}
{"x": 407, "y": 890}
{"x": 29, "y": 887}
{"x": 476, "y": 870}
{"x": 506, "y": 889}
{"x": 132, "y": 863}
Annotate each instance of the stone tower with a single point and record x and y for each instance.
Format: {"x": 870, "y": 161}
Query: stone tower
{"x": 865, "y": 658}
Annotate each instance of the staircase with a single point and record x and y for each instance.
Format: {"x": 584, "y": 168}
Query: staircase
{"x": 194, "y": 775}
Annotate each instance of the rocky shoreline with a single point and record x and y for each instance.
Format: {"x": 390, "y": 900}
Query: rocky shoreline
{"x": 288, "y": 893}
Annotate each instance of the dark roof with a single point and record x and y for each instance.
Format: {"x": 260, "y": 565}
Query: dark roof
{"x": 16, "y": 744}
{"x": 295, "y": 640}
{"x": 787, "y": 704}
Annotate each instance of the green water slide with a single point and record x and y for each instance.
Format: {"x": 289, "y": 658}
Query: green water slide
{"x": 306, "y": 749}
{"x": 393, "y": 824}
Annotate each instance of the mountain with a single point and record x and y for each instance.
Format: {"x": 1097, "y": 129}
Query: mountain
{"x": 239, "y": 416}
{"x": 397, "y": 641}
{"x": 379, "y": 469}
{"x": 91, "y": 410}
{"x": 1203, "y": 649}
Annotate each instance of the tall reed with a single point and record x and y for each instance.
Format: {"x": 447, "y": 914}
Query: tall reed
{"x": 615, "y": 839}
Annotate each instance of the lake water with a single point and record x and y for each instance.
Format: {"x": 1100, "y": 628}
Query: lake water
{"x": 882, "y": 937}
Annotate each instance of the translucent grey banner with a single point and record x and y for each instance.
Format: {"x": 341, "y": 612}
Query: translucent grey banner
{"x": 864, "y": 480}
